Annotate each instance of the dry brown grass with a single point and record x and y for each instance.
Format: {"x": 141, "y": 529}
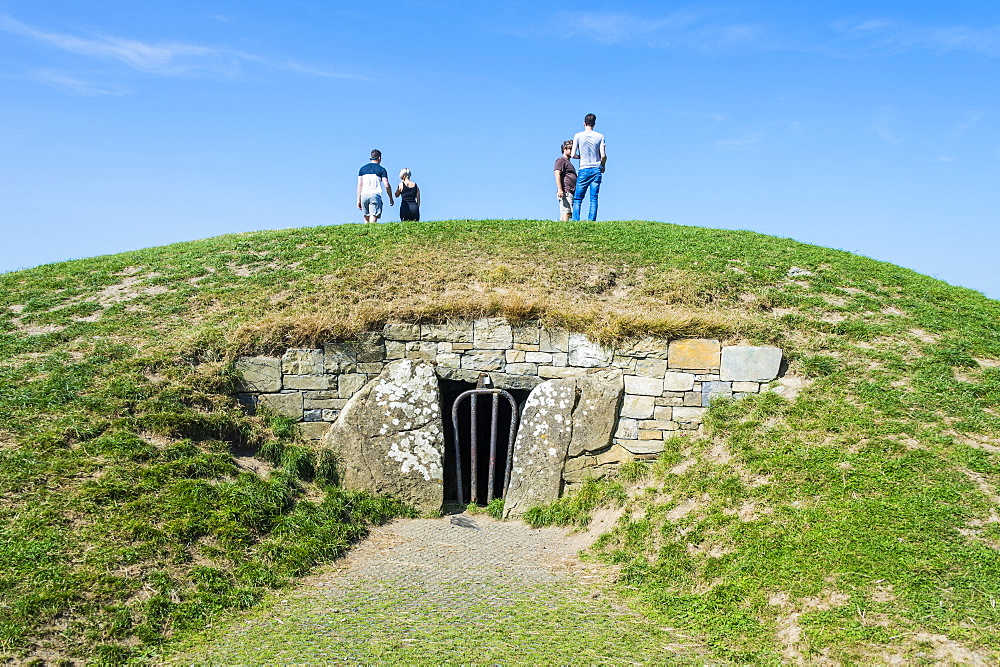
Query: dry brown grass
{"x": 608, "y": 302}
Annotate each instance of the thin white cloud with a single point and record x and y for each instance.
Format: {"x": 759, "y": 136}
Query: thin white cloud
{"x": 969, "y": 121}
{"x": 746, "y": 142}
{"x": 167, "y": 58}
{"x": 692, "y": 30}
{"x": 75, "y": 85}
{"x": 897, "y": 37}
{"x": 163, "y": 58}
{"x": 881, "y": 126}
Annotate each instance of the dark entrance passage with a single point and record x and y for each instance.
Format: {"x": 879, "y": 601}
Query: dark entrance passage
{"x": 476, "y": 486}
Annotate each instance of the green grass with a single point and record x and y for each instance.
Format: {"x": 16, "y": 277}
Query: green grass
{"x": 125, "y": 520}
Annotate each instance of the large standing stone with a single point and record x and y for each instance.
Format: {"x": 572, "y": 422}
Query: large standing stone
{"x": 259, "y": 374}
{"x": 540, "y": 448}
{"x": 595, "y": 414}
{"x": 389, "y": 438}
{"x": 745, "y": 363}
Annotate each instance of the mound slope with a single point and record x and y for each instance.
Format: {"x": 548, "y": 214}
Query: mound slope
{"x": 857, "y": 521}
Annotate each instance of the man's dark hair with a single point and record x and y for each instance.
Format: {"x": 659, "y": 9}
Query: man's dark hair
{"x": 567, "y": 144}
{"x": 376, "y": 154}
{"x": 590, "y": 120}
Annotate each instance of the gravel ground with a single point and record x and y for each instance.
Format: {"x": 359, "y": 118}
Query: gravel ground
{"x": 428, "y": 590}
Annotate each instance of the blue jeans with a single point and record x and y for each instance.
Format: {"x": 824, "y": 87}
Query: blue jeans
{"x": 587, "y": 178}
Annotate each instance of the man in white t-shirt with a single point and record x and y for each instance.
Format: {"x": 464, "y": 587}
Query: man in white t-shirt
{"x": 371, "y": 179}
{"x": 588, "y": 147}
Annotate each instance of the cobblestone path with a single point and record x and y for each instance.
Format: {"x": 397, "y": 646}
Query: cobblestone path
{"x": 431, "y": 591}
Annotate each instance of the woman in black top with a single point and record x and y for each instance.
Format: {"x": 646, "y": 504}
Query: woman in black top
{"x": 409, "y": 197}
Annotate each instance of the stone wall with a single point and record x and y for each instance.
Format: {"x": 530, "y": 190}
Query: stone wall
{"x": 668, "y": 385}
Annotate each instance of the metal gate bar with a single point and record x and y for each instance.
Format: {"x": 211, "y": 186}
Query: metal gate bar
{"x": 473, "y": 394}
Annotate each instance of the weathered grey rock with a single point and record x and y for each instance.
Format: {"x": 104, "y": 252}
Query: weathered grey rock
{"x": 711, "y": 391}
{"x": 585, "y": 353}
{"x": 320, "y": 395}
{"x": 312, "y": 415}
{"x": 638, "y": 407}
{"x": 692, "y": 399}
{"x": 371, "y": 347}
{"x": 527, "y": 334}
{"x": 595, "y": 414}
{"x": 350, "y": 384}
{"x": 310, "y": 382}
{"x": 745, "y": 363}
{"x": 628, "y": 429}
{"x": 340, "y": 357}
{"x": 302, "y": 362}
{"x": 686, "y": 415}
{"x": 449, "y": 359}
{"x": 538, "y": 357}
{"x": 508, "y": 382}
{"x": 652, "y": 368}
{"x": 448, "y": 373}
{"x": 492, "y": 333}
{"x": 553, "y": 340}
{"x": 372, "y": 368}
{"x": 643, "y": 386}
{"x": 678, "y": 382}
{"x": 394, "y": 349}
{"x": 483, "y": 360}
{"x": 663, "y": 413}
{"x": 288, "y": 404}
{"x": 458, "y": 332}
{"x": 320, "y": 403}
{"x": 398, "y": 332}
{"x": 424, "y": 350}
{"x": 541, "y": 445}
{"x": 259, "y": 374}
{"x": 554, "y": 372}
{"x": 639, "y": 447}
{"x": 522, "y": 369}
{"x": 626, "y": 364}
{"x": 642, "y": 348}
{"x": 389, "y": 437}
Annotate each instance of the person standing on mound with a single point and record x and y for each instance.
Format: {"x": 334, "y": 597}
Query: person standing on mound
{"x": 371, "y": 179}
{"x": 588, "y": 146}
{"x": 565, "y": 174}
{"x": 409, "y": 197}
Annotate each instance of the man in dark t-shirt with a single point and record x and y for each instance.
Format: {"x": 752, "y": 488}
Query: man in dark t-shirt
{"x": 565, "y": 175}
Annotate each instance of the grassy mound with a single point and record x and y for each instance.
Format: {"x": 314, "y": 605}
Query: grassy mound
{"x": 856, "y": 522}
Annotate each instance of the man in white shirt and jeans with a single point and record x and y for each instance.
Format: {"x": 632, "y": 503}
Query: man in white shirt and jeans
{"x": 371, "y": 179}
{"x": 588, "y": 147}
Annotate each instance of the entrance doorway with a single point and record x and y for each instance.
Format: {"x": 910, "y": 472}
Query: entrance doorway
{"x": 476, "y": 485}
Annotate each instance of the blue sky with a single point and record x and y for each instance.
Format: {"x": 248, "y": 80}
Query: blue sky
{"x": 868, "y": 126}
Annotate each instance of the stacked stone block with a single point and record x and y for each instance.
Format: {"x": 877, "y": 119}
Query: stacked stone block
{"x": 668, "y": 384}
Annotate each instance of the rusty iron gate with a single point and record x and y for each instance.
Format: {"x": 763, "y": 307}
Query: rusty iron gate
{"x": 473, "y": 395}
